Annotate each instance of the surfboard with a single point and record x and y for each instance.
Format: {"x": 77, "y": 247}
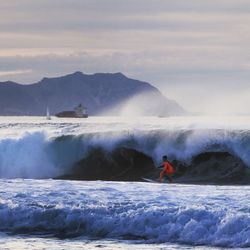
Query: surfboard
{"x": 150, "y": 180}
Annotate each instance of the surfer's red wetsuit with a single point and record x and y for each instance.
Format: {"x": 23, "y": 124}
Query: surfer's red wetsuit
{"x": 168, "y": 169}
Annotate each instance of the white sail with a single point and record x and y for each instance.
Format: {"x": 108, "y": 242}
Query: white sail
{"x": 48, "y": 114}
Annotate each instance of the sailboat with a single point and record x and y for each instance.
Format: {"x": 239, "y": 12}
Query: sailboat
{"x": 48, "y": 114}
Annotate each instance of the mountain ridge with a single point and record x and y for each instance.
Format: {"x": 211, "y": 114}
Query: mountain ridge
{"x": 102, "y": 93}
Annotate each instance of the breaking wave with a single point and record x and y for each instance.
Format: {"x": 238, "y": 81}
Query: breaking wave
{"x": 135, "y": 211}
{"x": 35, "y": 155}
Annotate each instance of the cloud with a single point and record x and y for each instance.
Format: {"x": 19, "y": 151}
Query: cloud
{"x": 185, "y": 48}
{"x": 14, "y": 73}
{"x": 73, "y": 15}
{"x": 149, "y": 63}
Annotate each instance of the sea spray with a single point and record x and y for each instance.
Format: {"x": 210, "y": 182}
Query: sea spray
{"x": 51, "y": 148}
{"x": 25, "y": 157}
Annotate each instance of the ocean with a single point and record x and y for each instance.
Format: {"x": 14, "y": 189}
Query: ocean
{"x": 38, "y": 212}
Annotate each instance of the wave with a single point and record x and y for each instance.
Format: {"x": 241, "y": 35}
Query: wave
{"x": 159, "y": 219}
{"x": 35, "y": 155}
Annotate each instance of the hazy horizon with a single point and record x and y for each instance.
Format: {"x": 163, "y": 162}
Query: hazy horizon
{"x": 194, "y": 52}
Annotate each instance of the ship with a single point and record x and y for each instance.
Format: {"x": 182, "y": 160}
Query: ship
{"x": 78, "y": 112}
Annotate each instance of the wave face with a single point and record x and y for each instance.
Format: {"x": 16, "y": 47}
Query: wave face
{"x": 151, "y": 213}
{"x": 36, "y": 156}
{"x": 50, "y": 149}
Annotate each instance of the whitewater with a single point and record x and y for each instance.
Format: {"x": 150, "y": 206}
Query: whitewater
{"x": 37, "y": 212}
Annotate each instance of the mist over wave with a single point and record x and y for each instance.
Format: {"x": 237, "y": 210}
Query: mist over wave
{"x": 36, "y": 155}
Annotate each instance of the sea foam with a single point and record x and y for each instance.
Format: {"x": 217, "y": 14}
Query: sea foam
{"x": 150, "y": 213}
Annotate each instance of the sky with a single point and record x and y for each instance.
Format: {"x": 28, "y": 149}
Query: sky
{"x": 196, "y": 52}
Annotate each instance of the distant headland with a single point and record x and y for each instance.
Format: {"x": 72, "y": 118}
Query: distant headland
{"x": 101, "y": 93}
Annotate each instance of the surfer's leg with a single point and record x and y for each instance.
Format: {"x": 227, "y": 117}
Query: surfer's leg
{"x": 161, "y": 175}
{"x": 169, "y": 178}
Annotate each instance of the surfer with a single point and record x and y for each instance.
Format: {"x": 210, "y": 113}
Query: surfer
{"x": 167, "y": 169}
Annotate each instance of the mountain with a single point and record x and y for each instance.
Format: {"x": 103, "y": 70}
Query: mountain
{"x": 101, "y": 93}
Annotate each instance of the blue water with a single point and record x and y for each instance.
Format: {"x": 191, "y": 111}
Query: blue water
{"x": 53, "y": 214}
{"x": 133, "y": 215}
